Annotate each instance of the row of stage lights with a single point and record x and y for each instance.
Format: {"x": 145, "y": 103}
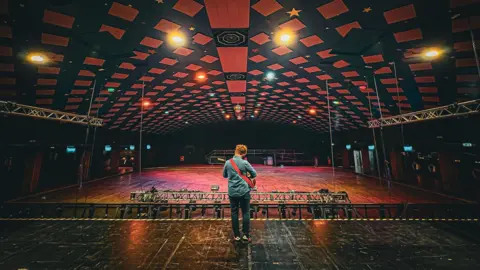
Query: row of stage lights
{"x": 108, "y": 148}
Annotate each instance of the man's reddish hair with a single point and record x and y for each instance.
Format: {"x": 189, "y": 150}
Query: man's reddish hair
{"x": 241, "y": 149}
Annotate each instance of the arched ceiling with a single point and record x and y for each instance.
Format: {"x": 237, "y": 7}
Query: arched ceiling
{"x": 343, "y": 43}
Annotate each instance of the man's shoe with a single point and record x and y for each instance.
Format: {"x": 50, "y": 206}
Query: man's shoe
{"x": 246, "y": 239}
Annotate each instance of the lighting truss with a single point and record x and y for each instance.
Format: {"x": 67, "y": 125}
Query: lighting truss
{"x": 218, "y": 211}
{"x": 42, "y": 113}
{"x": 456, "y": 109}
{"x": 318, "y": 197}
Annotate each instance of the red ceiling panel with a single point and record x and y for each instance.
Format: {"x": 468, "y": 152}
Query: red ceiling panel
{"x": 228, "y": 13}
{"x": 188, "y": 7}
{"x": 410, "y": 35}
{"x": 58, "y": 19}
{"x": 333, "y": 9}
{"x": 233, "y": 59}
{"x": 122, "y": 11}
{"x": 400, "y": 14}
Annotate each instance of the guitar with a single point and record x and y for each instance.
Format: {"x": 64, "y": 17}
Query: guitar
{"x": 248, "y": 175}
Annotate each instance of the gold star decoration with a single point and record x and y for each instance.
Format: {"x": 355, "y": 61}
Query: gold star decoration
{"x": 366, "y": 10}
{"x": 191, "y": 28}
{"x": 294, "y": 12}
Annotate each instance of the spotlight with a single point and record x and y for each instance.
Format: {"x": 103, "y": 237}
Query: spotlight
{"x": 312, "y": 111}
{"x": 284, "y": 37}
{"x": 176, "y": 39}
{"x": 294, "y": 121}
{"x": 37, "y": 58}
{"x": 270, "y": 76}
{"x": 201, "y": 76}
{"x": 336, "y": 102}
{"x": 432, "y": 53}
{"x": 227, "y": 116}
{"x": 146, "y": 103}
{"x": 255, "y": 112}
{"x": 211, "y": 94}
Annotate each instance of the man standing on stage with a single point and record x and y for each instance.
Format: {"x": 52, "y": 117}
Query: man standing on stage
{"x": 239, "y": 186}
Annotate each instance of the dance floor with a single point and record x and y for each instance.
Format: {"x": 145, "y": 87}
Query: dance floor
{"x": 360, "y": 189}
{"x": 98, "y": 244}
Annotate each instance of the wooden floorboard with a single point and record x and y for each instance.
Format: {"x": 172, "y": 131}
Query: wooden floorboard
{"x": 360, "y": 189}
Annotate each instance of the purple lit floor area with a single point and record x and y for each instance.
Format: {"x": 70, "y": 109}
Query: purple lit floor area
{"x": 360, "y": 189}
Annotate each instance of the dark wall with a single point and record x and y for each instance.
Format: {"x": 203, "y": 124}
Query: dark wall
{"x": 256, "y": 135}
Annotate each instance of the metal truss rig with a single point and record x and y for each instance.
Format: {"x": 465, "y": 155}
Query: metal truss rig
{"x": 456, "y": 109}
{"x": 190, "y": 196}
{"x": 36, "y": 112}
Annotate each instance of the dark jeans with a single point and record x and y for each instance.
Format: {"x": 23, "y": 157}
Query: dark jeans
{"x": 244, "y": 203}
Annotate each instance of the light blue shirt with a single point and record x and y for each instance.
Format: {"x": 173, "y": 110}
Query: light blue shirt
{"x": 237, "y": 187}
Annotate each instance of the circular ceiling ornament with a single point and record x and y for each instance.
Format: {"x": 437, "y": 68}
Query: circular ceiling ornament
{"x": 235, "y": 76}
{"x": 231, "y": 38}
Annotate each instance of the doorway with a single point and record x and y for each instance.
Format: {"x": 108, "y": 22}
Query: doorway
{"x": 357, "y": 155}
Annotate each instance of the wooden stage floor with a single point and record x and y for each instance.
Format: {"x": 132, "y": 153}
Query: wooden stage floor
{"x": 83, "y": 244}
{"x": 360, "y": 189}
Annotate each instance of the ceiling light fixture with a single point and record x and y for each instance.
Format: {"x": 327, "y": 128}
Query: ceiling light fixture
{"x": 200, "y": 76}
{"x": 270, "y": 76}
{"x": 176, "y": 39}
{"x": 432, "y": 53}
{"x": 284, "y": 37}
{"x": 37, "y": 58}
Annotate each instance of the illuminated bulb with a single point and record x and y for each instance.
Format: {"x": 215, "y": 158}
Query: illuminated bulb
{"x": 432, "y": 53}
{"x": 336, "y": 102}
{"x": 270, "y": 76}
{"x": 37, "y": 58}
{"x": 285, "y": 38}
{"x": 146, "y": 103}
{"x": 256, "y": 111}
{"x": 294, "y": 121}
{"x": 200, "y": 76}
{"x": 227, "y": 116}
{"x": 177, "y": 39}
{"x": 312, "y": 111}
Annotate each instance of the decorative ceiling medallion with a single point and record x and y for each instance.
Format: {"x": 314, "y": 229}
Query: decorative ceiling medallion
{"x": 231, "y": 37}
{"x": 235, "y": 76}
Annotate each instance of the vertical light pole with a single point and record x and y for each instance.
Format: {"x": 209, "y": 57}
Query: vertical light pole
{"x": 331, "y": 138}
{"x": 474, "y": 45}
{"x": 398, "y": 101}
{"x": 381, "y": 130}
{"x": 141, "y": 130}
{"x": 82, "y": 160}
{"x": 374, "y": 136}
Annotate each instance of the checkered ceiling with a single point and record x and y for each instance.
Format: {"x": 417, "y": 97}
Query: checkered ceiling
{"x": 340, "y": 46}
